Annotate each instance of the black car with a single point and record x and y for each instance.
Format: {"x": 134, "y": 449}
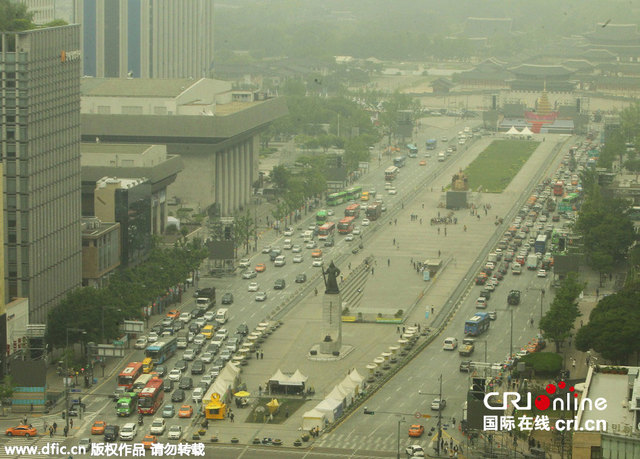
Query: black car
{"x": 242, "y": 329}
{"x": 111, "y": 433}
{"x": 177, "y": 396}
{"x": 157, "y": 329}
{"x": 178, "y": 325}
{"x": 167, "y": 385}
{"x": 197, "y": 348}
{"x": 196, "y": 313}
{"x": 197, "y": 368}
{"x": 213, "y": 348}
{"x": 227, "y": 298}
{"x": 185, "y": 383}
{"x": 74, "y": 410}
{"x": 465, "y": 366}
{"x": 279, "y": 284}
{"x": 217, "y": 364}
{"x": 194, "y": 328}
{"x": 161, "y": 370}
{"x": 181, "y": 365}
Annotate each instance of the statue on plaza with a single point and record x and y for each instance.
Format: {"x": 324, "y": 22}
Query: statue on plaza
{"x": 330, "y": 277}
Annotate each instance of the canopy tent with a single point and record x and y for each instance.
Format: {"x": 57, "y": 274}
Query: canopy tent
{"x": 331, "y": 408}
{"x": 349, "y": 386}
{"x": 273, "y": 406}
{"x": 298, "y": 377}
{"x": 313, "y": 418}
{"x": 355, "y": 377}
{"x": 278, "y": 376}
{"x": 281, "y": 383}
{"x": 526, "y": 131}
{"x": 339, "y": 393}
{"x": 513, "y": 131}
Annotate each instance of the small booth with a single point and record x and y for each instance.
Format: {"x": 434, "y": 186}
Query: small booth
{"x": 312, "y": 419}
{"x": 215, "y": 408}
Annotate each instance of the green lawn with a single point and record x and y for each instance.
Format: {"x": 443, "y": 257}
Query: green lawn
{"x": 496, "y": 166}
{"x": 288, "y": 406}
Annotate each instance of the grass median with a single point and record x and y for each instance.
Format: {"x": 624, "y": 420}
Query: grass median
{"x": 495, "y": 167}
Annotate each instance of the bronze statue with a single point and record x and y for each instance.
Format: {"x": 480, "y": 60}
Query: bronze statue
{"x": 331, "y": 279}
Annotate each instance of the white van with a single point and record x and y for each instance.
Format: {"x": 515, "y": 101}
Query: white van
{"x": 287, "y": 245}
{"x": 441, "y": 157}
{"x": 279, "y": 261}
{"x": 450, "y": 344}
{"x": 222, "y": 315}
{"x": 307, "y": 236}
{"x": 481, "y": 303}
{"x": 128, "y": 431}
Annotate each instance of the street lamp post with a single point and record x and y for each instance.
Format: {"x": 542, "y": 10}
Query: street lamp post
{"x": 439, "y": 394}
{"x": 66, "y": 372}
{"x": 400, "y": 421}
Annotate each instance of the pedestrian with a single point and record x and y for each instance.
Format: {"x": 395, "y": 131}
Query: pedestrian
{"x": 372, "y": 271}
{"x": 402, "y": 329}
{"x": 24, "y": 421}
{"x": 388, "y": 261}
{"x": 581, "y": 323}
{"x": 438, "y": 230}
{"x": 597, "y": 293}
{"x": 418, "y": 328}
{"x": 398, "y": 329}
{"x": 261, "y": 355}
{"x": 257, "y": 355}
{"x": 438, "y": 254}
{"x": 395, "y": 221}
{"x": 411, "y": 262}
{"x": 423, "y": 205}
{"x": 55, "y": 427}
{"x": 50, "y": 432}
{"x": 432, "y": 309}
{"x": 465, "y": 228}
{"x": 531, "y": 321}
{"x": 573, "y": 362}
{"x": 31, "y": 407}
{"x": 231, "y": 416}
{"x": 478, "y": 216}
{"x": 445, "y": 231}
{"x": 453, "y": 421}
{"x": 394, "y": 241}
{"x": 71, "y": 423}
{"x": 259, "y": 391}
{"x": 341, "y": 278}
{"x": 65, "y": 430}
{"x": 421, "y": 221}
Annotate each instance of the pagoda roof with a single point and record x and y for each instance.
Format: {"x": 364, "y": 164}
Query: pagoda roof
{"x": 443, "y": 82}
{"x": 614, "y": 34}
{"x": 599, "y": 54}
{"x": 579, "y": 64}
{"x": 541, "y": 70}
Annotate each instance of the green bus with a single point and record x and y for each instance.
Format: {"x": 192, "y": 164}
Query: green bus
{"x": 569, "y": 203}
{"x": 127, "y": 404}
{"x": 354, "y": 193}
{"x": 321, "y": 217}
{"x": 335, "y": 199}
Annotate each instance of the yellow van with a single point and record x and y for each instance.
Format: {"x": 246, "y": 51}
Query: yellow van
{"x": 208, "y": 331}
{"x": 365, "y": 196}
{"x": 147, "y": 365}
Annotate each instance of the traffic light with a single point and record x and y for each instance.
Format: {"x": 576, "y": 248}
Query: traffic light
{"x": 366, "y": 411}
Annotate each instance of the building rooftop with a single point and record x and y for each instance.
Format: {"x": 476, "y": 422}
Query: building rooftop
{"x": 614, "y": 389}
{"x": 135, "y": 87}
{"x": 116, "y": 148}
{"x": 540, "y": 70}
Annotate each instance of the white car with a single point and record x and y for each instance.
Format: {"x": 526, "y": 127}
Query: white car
{"x": 223, "y": 333}
{"x": 199, "y": 339}
{"x": 298, "y": 258}
{"x": 311, "y": 245}
{"x": 185, "y": 317}
{"x": 158, "y": 426}
{"x": 209, "y": 315}
{"x": 266, "y": 249}
{"x": 311, "y": 227}
{"x": 244, "y": 263}
{"x": 288, "y": 231}
{"x": 253, "y": 287}
{"x": 317, "y": 262}
{"x": 175, "y": 432}
{"x": 287, "y": 244}
{"x": 365, "y": 222}
{"x": 261, "y": 296}
{"x": 153, "y": 337}
{"x": 392, "y": 191}
{"x": 542, "y": 273}
{"x": 350, "y": 237}
{"x": 356, "y": 230}
{"x": 197, "y": 394}
{"x": 415, "y": 451}
{"x": 189, "y": 355}
{"x": 450, "y": 344}
{"x": 128, "y": 431}
{"x": 207, "y": 357}
{"x": 388, "y": 186}
{"x": 141, "y": 343}
{"x": 330, "y": 212}
{"x": 207, "y": 379}
{"x": 174, "y": 375}
{"x": 249, "y": 274}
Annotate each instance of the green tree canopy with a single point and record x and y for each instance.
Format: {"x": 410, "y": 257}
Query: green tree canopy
{"x": 557, "y": 322}
{"x": 14, "y": 17}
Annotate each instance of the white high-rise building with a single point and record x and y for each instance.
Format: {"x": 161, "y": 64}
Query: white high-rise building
{"x": 43, "y": 10}
{"x": 146, "y": 38}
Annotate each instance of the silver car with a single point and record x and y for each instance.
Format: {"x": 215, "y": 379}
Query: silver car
{"x": 175, "y": 432}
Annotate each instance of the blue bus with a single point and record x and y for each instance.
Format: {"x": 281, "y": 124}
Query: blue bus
{"x": 477, "y": 325}
{"x": 160, "y": 351}
{"x": 399, "y": 161}
{"x": 432, "y": 144}
{"x": 540, "y": 245}
{"x": 413, "y": 150}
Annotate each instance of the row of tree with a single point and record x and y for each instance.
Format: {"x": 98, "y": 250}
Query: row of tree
{"x": 557, "y": 323}
{"x": 128, "y": 292}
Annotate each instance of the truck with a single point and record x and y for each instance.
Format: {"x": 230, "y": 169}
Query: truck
{"x": 514, "y": 297}
{"x": 127, "y": 404}
{"x": 532, "y": 262}
{"x": 467, "y": 347}
{"x": 441, "y": 156}
{"x": 206, "y": 298}
{"x": 374, "y": 211}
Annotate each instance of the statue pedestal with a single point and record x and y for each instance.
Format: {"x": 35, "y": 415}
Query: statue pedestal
{"x": 331, "y": 338}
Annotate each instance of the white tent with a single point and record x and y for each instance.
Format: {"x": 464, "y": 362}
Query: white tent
{"x": 339, "y": 394}
{"x": 526, "y": 131}
{"x": 313, "y": 418}
{"x": 513, "y": 131}
{"x": 349, "y": 386}
{"x": 279, "y": 377}
{"x": 331, "y": 408}
{"x": 298, "y": 377}
{"x": 356, "y": 378}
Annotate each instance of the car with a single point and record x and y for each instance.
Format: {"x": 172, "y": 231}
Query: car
{"x": 261, "y": 296}
{"x": 249, "y": 274}
{"x": 197, "y": 395}
{"x": 416, "y": 430}
{"x": 243, "y": 329}
{"x": 128, "y": 431}
{"x": 423, "y": 162}
{"x": 297, "y": 248}
{"x": 279, "y": 261}
{"x": 149, "y": 440}
{"x": 393, "y": 191}
{"x": 167, "y": 385}
{"x": 75, "y": 409}
{"x": 186, "y": 383}
{"x": 157, "y": 329}
{"x": 493, "y": 315}
{"x": 208, "y": 379}
{"x": 414, "y": 451}
{"x": 178, "y": 395}
{"x": 161, "y": 370}
{"x": 207, "y": 357}
{"x": 261, "y": 267}
{"x": 365, "y": 222}
{"x": 542, "y": 273}
{"x": 311, "y": 227}
{"x": 189, "y": 355}
{"x": 185, "y": 317}
{"x": 330, "y": 212}
{"x": 185, "y": 411}
{"x": 287, "y": 244}
{"x": 226, "y": 355}
{"x": 301, "y": 278}
{"x": 98, "y": 428}
{"x": 253, "y": 287}
{"x": 311, "y": 245}
{"x": 175, "y": 432}
{"x": 182, "y": 342}
{"x": 168, "y": 411}
{"x": 317, "y": 262}
{"x": 175, "y": 374}
{"x": 85, "y": 443}
{"x": 158, "y": 426}
{"x": 181, "y": 365}
{"x": 450, "y": 344}
{"x": 279, "y": 284}
{"x": 227, "y": 298}
{"x": 288, "y": 231}
{"x": 199, "y": 339}
{"x": 316, "y": 253}
{"x": 209, "y": 315}
{"x": 465, "y": 366}
{"x": 298, "y": 258}
{"x": 141, "y": 343}
{"x": 356, "y": 231}
{"x": 217, "y": 365}
{"x": 153, "y": 337}
{"x": 481, "y": 301}
{"x": 350, "y": 237}
{"x": 244, "y": 263}
{"x": 222, "y": 333}
{"x": 111, "y": 432}
{"x": 438, "y": 404}
{"x": 200, "y": 322}
{"x": 197, "y": 368}
{"x": 173, "y": 313}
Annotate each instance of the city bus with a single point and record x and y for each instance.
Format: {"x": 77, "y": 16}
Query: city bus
{"x": 558, "y": 188}
{"x": 345, "y": 226}
{"x": 354, "y": 193}
{"x": 569, "y": 203}
{"x": 141, "y": 382}
{"x": 321, "y": 217}
{"x": 150, "y": 397}
{"x": 364, "y": 196}
{"x": 147, "y": 365}
{"x": 160, "y": 351}
{"x": 432, "y": 144}
{"x": 352, "y": 210}
{"x": 326, "y": 230}
{"x": 129, "y": 374}
{"x": 399, "y": 161}
{"x": 540, "y": 245}
{"x": 374, "y": 211}
{"x": 413, "y": 150}
{"x": 335, "y": 199}
{"x": 391, "y": 173}
{"x": 477, "y": 325}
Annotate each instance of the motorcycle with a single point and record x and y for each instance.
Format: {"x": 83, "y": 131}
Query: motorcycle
{"x": 140, "y": 420}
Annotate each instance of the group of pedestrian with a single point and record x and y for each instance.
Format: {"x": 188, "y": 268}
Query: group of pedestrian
{"x": 259, "y": 355}
{"x": 315, "y": 432}
{"x": 533, "y": 443}
{"x": 415, "y": 217}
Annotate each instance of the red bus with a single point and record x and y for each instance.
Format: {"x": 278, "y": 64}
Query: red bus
{"x": 558, "y": 188}
{"x": 345, "y": 226}
{"x": 352, "y": 210}
{"x": 150, "y": 398}
{"x": 128, "y": 376}
{"x": 326, "y": 230}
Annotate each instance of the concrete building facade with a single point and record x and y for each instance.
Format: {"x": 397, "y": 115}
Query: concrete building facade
{"x": 40, "y": 147}
{"x": 146, "y": 38}
{"x": 100, "y": 251}
{"x": 43, "y": 10}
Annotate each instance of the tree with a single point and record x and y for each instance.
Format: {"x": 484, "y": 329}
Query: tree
{"x": 14, "y": 17}
{"x": 280, "y": 176}
{"x": 633, "y": 165}
{"x": 614, "y": 147}
{"x": 556, "y": 324}
{"x": 245, "y": 230}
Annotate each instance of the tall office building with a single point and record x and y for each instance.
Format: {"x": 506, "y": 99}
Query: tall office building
{"x": 146, "y": 38}
{"x": 40, "y": 147}
{"x": 43, "y": 10}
